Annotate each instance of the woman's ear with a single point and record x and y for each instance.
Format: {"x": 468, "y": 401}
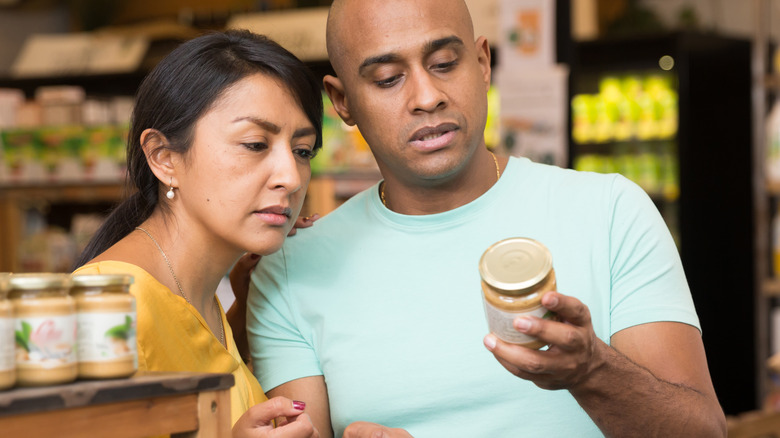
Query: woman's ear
{"x": 335, "y": 90}
{"x": 159, "y": 156}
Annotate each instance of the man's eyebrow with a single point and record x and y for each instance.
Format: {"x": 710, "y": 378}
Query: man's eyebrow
{"x": 432, "y": 46}
{"x": 387, "y": 58}
{"x": 428, "y": 48}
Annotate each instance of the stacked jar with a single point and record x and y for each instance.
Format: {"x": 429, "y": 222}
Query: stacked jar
{"x": 7, "y": 360}
{"x": 106, "y": 321}
{"x": 45, "y": 328}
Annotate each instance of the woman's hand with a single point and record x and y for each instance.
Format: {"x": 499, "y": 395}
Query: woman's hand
{"x": 292, "y": 422}
{"x": 303, "y": 222}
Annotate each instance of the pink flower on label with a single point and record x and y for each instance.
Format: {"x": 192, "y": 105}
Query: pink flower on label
{"x": 46, "y": 333}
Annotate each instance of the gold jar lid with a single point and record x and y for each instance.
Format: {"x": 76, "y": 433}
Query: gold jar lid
{"x": 39, "y": 281}
{"x": 515, "y": 265}
{"x": 102, "y": 280}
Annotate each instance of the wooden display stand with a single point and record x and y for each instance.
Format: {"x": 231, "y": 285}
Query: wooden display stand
{"x": 185, "y": 404}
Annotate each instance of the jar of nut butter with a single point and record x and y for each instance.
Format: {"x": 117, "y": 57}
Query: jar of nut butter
{"x": 44, "y": 328}
{"x": 515, "y": 273}
{"x": 7, "y": 360}
{"x": 106, "y": 321}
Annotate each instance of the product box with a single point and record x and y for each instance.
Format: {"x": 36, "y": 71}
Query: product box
{"x": 22, "y": 157}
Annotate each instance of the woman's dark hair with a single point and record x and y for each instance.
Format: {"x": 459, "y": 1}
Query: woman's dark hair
{"x": 178, "y": 92}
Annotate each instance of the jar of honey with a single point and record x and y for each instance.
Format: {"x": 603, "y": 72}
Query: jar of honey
{"x": 45, "y": 328}
{"x": 106, "y": 321}
{"x": 7, "y": 360}
{"x": 515, "y": 273}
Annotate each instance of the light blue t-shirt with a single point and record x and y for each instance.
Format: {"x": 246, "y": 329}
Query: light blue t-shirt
{"x": 388, "y": 307}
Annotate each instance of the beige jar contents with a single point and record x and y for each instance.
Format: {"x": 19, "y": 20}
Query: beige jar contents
{"x": 45, "y": 328}
{"x": 7, "y": 360}
{"x": 515, "y": 273}
{"x": 106, "y": 320}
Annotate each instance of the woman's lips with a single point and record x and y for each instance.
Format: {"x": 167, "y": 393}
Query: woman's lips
{"x": 277, "y": 216}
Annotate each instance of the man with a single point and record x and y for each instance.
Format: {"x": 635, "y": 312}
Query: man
{"x": 374, "y": 316}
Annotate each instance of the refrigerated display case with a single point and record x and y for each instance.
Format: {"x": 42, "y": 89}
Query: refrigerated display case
{"x": 673, "y": 113}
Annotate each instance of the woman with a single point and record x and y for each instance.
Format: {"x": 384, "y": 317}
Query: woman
{"x": 219, "y": 150}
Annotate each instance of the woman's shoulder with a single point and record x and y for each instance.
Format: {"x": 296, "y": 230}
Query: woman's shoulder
{"x": 105, "y": 266}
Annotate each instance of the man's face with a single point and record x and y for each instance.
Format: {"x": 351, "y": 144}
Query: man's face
{"x": 415, "y": 84}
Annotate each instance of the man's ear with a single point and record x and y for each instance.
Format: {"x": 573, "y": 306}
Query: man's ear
{"x": 335, "y": 90}
{"x": 483, "y": 57}
{"x": 159, "y": 156}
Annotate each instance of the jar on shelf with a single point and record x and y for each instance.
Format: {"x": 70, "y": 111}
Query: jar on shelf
{"x": 45, "y": 328}
{"x": 106, "y": 321}
{"x": 7, "y": 360}
{"x": 515, "y": 273}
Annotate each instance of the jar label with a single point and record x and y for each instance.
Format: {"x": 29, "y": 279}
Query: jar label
{"x": 106, "y": 336}
{"x": 45, "y": 341}
{"x": 500, "y": 322}
{"x": 7, "y": 344}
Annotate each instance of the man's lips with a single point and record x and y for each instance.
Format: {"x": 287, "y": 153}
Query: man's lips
{"x": 433, "y": 138}
{"x": 429, "y": 132}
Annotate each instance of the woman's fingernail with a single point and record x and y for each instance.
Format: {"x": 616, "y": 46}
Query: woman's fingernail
{"x": 490, "y": 342}
{"x": 299, "y": 405}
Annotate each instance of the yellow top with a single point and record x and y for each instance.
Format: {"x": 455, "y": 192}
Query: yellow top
{"x": 172, "y": 336}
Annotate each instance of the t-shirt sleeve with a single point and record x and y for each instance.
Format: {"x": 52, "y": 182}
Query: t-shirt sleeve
{"x": 280, "y": 351}
{"x": 648, "y": 281}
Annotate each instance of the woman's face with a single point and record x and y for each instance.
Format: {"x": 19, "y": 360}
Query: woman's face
{"x": 246, "y": 174}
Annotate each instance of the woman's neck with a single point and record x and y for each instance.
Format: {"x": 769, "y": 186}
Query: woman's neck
{"x": 196, "y": 259}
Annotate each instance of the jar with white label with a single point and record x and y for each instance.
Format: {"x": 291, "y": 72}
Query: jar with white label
{"x": 7, "y": 361}
{"x": 515, "y": 273}
{"x": 45, "y": 328}
{"x": 106, "y": 318}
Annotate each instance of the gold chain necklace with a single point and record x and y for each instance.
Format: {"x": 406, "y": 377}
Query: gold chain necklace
{"x": 495, "y": 161}
{"x": 181, "y": 291}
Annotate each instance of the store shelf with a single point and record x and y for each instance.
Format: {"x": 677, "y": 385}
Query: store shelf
{"x": 16, "y": 200}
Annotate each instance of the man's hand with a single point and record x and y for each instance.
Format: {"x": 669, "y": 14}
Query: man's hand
{"x": 363, "y": 429}
{"x": 573, "y": 349}
{"x": 651, "y": 381}
{"x": 258, "y": 420}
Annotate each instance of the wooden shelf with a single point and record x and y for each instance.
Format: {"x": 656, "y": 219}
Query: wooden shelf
{"x": 190, "y": 404}
{"x": 16, "y": 199}
{"x": 326, "y": 192}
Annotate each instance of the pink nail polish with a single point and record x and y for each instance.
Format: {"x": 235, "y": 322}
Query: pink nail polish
{"x": 299, "y": 405}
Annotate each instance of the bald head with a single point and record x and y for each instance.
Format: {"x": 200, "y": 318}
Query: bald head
{"x": 349, "y": 19}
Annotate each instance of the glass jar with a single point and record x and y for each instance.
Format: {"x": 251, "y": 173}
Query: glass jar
{"x": 45, "y": 328}
{"x": 7, "y": 360}
{"x": 515, "y": 273}
{"x": 106, "y": 321}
